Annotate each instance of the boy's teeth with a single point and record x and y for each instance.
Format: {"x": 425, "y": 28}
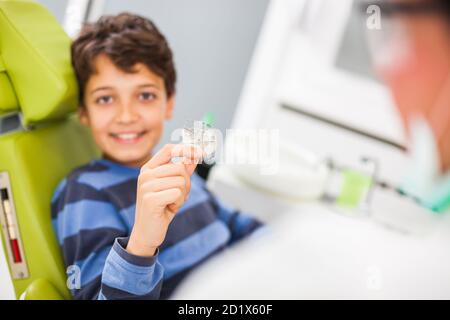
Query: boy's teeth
{"x": 128, "y": 136}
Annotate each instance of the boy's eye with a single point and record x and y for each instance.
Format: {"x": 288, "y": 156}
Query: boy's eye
{"x": 104, "y": 100}
{"x": 147, "y": 96}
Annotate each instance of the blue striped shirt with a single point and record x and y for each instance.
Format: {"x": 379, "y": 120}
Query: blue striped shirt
{"x": 93, "y": 212}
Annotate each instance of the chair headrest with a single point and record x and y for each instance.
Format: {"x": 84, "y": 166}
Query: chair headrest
{"x": 8, "y": 100}
{"x": 35, "y": 68}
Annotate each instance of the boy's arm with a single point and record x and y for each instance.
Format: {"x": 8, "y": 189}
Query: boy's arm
{"x": 92, "y": 234}
{"x": 127, "y": 276}
{"x": 240, "y": 225}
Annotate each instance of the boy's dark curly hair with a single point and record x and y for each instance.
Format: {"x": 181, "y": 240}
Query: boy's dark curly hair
{"x": 126, "y": 39}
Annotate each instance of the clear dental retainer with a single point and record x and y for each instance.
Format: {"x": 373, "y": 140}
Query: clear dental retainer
{"x": 201, "y": 135}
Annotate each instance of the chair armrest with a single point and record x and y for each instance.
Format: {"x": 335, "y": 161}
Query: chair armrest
{"x": 41, "y": 289}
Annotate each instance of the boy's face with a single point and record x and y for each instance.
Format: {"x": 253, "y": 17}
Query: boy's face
{"x": 125, "y": 111}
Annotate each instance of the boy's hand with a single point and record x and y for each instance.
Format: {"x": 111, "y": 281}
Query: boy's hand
{"x": 162, "y": 189}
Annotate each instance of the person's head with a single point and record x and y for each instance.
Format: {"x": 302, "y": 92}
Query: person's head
{"x": 419, "y": 73}
{"x": 126, "y": 77}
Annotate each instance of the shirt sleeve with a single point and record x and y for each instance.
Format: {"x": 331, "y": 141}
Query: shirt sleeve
{"x": 127, "y": 276}
{"x": 93, "y": 238}
{"x": 240, "y": 224}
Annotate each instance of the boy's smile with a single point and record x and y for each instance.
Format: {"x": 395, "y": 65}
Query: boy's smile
{"x": 125, "y": 111}
{"x": 128, "y": 137}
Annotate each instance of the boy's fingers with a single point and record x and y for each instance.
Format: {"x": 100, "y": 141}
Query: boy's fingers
{"x": 167, "y": 170}
{"x": 179, "y": 202}
{"x": 190, "y": 155}
{"x": 167, "y": 197}
{"x": 172, "y": 207}
{"x": 164, "y": 184}
{"x": 176, "y": 204}
{"x": 190, "y": 168}
{"x": 163, "y": 156}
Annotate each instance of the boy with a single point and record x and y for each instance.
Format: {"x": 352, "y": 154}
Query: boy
{"x": 126, "y": 220}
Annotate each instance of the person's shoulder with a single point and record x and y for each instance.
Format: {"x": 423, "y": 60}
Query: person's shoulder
{"x": 92, "y": 167}
{"x": 103, "y": 174}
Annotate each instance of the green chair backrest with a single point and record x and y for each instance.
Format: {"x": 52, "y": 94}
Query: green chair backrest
{"x": 37, "y": 87}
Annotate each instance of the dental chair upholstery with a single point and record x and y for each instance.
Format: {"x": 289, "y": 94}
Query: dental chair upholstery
{"x": 41, "y": 140}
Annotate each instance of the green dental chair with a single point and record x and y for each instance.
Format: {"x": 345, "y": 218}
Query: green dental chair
{"x": 41, "y": 141}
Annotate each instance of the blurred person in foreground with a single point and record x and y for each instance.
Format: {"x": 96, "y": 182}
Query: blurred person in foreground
{"x": 333, "y": 257}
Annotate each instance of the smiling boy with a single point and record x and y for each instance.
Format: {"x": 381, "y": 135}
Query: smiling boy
{"x": 134, "y": 222}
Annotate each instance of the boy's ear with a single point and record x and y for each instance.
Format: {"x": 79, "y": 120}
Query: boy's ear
{"x": 83, "y": 116}
{"x": 169, "y": 107}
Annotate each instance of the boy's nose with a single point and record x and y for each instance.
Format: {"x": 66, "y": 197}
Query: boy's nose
{"x": 126, "y": 114}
